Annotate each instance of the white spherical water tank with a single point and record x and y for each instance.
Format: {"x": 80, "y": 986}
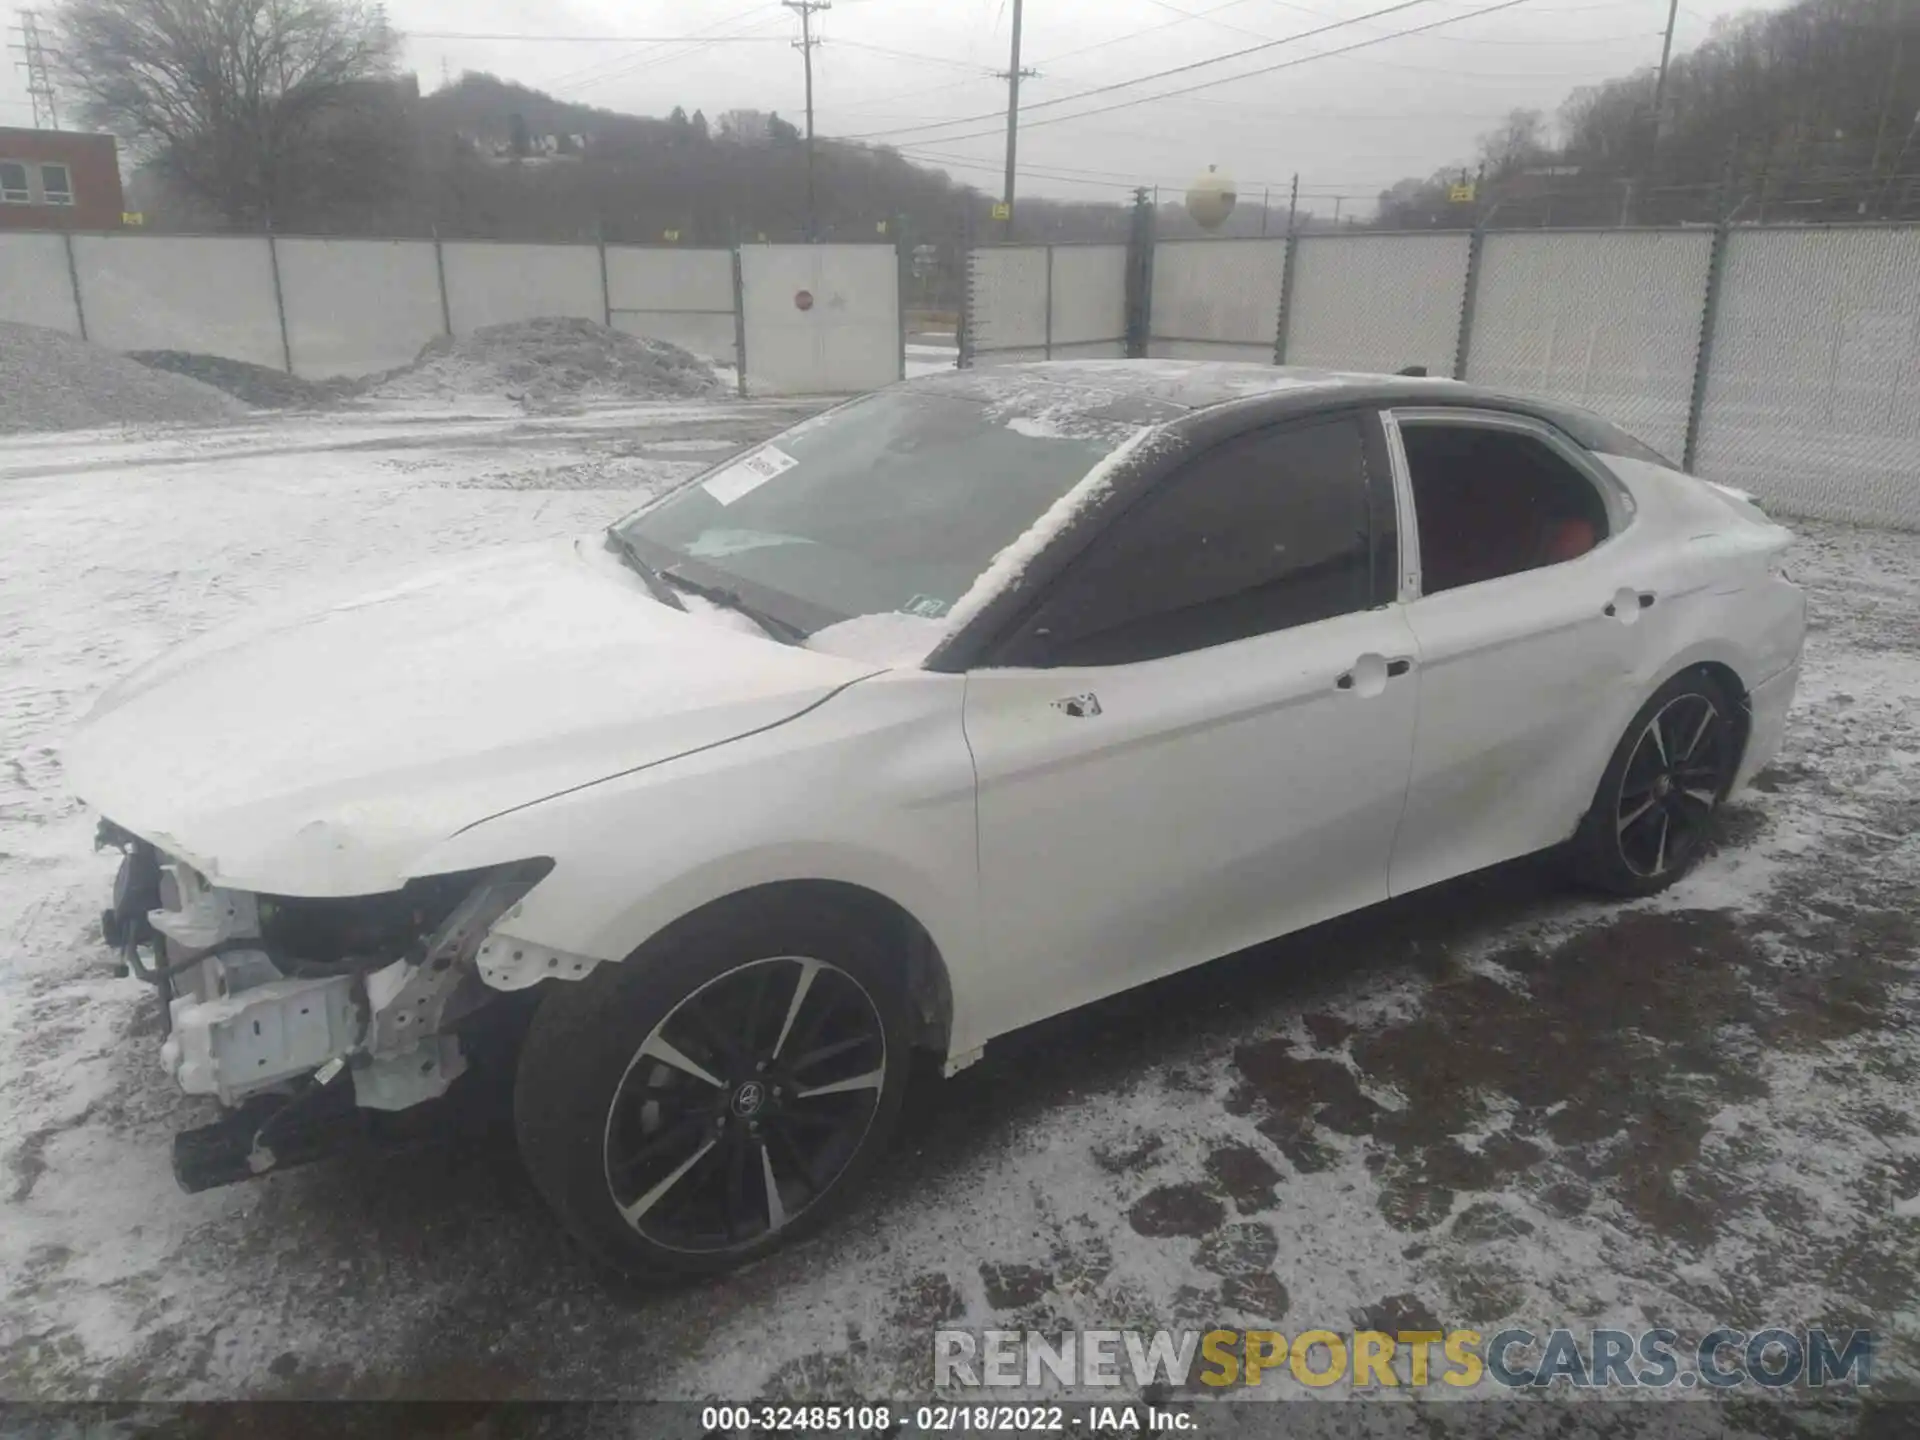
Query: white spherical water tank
{"x": 1211, "y": 199}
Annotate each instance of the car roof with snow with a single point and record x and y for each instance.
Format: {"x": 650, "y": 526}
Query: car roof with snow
{"x": 1157, "y": 392}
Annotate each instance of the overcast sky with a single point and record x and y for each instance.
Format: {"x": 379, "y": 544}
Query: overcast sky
{"x": 1348, "y": 124}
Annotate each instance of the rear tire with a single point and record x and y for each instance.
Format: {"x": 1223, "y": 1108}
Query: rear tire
{"x": 722, "y": 1092}
{"x": 1653, "y": 814}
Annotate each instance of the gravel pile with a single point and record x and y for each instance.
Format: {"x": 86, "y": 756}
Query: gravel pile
{"x": 53, "y": 381}
{"x": 254, "y": 385}
{"x": 550, "y": 364}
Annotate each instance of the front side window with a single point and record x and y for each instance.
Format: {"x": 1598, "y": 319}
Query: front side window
{"x": 56, "y": 184}
{"x": 893, "y": 505}
{"x": 1494, "y": 501}
{"x": 13, "y": 184}
{"x": 1264, "y": 532}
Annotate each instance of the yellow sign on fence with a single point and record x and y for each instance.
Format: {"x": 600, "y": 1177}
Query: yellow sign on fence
{"x": 1461, "y": 194}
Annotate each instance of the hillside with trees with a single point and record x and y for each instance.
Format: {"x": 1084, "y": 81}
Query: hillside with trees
{"x": 1809, "y": 113}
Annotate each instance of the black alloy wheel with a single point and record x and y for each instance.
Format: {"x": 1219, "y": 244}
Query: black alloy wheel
{"x": 1657, "y": 803}
{"x": 745, "y": 1104}
{"x": 1672, "y": 785}
{"x": 724, "y": 1090}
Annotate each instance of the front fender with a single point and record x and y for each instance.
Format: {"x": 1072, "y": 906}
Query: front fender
{"x": 874, "y": 789}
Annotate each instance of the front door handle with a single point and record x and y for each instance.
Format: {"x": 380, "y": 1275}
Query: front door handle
{"x": 1370, "y": 674}
{"x": 1079, "y": 707}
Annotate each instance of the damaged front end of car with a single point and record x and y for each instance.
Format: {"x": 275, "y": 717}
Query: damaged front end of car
{"x": 300, "y": 1014}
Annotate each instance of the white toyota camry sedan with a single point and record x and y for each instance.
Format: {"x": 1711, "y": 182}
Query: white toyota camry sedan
{"x": 956, "y": 706}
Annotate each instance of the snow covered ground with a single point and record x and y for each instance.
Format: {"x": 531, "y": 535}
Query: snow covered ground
{"x": 1496, "y": 1103}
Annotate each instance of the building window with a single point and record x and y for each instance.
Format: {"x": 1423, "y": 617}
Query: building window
{"x": 13, "y": 184}
{"x": 56, "y": 185}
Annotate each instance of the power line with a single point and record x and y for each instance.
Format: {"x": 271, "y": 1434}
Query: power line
{"x": 590, "y": 39}
{"x": 601, "y": 71}
{"x": 1175, "y": 70}
{"x": 842, "y": 43}
{"x": 1228, "y": 79}
{"x": 1137, "y": 34}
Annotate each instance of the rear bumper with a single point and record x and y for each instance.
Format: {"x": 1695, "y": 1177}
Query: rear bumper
{"x": 1767, "y": 703}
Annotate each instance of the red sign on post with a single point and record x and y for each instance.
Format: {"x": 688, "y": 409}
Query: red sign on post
{"x": 803, "y": 300}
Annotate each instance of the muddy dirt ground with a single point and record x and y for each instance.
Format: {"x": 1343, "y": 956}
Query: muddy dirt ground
{"x": 1497, "y": 1103}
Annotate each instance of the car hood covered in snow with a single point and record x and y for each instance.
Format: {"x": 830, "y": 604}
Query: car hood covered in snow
{"x": 322, "y": 749}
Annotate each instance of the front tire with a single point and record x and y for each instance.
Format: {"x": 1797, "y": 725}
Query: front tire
{"x": 1653, "y": 814}
{"x": 722, "y": 1092}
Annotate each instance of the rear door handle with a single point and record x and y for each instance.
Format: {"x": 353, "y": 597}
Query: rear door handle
{"x": 1396, "y": 668}
{"x": 1644, "y": 598}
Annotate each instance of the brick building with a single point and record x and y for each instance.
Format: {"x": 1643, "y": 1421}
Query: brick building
{"x": 59, "y": 180}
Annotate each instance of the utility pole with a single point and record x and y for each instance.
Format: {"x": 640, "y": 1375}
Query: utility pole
{"x": 805, "y": 44}
{"x": 1659, "y": 110}
{"x": 1894, "y": 58}
{"x": 1293, "y": 202}
{"x": 1660, "y": 85}
{"x": 46, "y": 115}
{"x": 1014, "y": 74}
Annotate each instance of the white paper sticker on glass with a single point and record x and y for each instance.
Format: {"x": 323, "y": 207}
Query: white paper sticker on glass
{"x": 748, "y": 474}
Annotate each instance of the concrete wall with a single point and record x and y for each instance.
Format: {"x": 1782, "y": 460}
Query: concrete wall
{"x": 209, "y": 294}
{"x": 491, "y": 284}
{"x": 357, "y": 307}
{"x": 35, "y": 288}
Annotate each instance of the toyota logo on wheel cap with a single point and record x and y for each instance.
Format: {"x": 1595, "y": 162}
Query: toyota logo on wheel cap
{"x": 748, "y": 1099}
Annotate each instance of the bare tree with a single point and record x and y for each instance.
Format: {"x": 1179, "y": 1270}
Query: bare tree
{"x": 244, "y": 103}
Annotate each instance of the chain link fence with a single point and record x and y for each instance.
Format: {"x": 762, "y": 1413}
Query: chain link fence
{"x": 1812, "y": 394}
{"x": 1376, "y": 302}
{"x": 1784, "y": 360}
{"x": 1605, "y": 319}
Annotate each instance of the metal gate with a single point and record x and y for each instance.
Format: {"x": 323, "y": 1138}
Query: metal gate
{"x": 1217, "y": 299}
{"x": 820, "y": 319}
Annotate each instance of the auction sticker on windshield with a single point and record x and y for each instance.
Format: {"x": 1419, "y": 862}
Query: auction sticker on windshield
{"x": 748, "y": 474}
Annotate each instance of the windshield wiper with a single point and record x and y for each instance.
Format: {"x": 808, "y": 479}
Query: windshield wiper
{"x": 661, "y": 590}
{"x": 779, "y": 629}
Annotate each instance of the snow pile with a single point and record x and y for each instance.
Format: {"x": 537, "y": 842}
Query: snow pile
{"x": 53, "y": 381}
{"x": 550, "y": 364}
{"x": 252, "y": 384}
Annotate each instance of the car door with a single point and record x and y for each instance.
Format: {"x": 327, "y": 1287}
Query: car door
{"x": 1528, "y": 675}
{"x": 1200, "y": 736}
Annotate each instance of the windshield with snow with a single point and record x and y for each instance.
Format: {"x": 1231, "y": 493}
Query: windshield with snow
{"x": 893, "y": 505}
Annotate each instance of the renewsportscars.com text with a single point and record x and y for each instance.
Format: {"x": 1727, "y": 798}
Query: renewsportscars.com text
{"x": 1773, "y": 1358}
